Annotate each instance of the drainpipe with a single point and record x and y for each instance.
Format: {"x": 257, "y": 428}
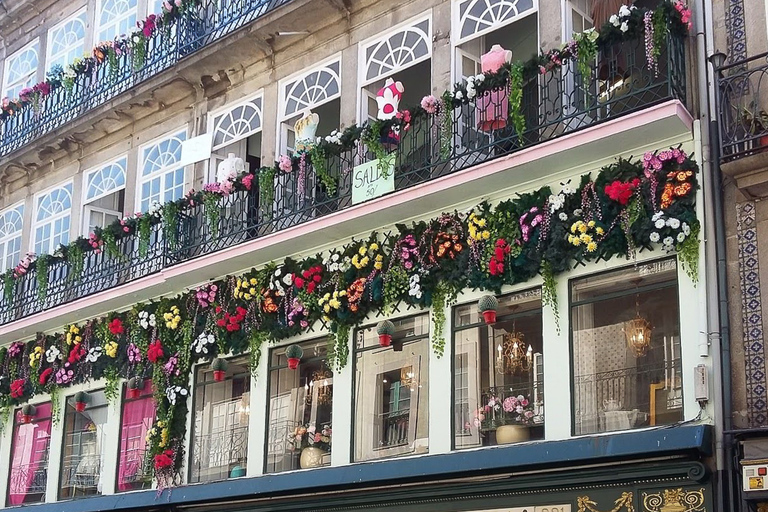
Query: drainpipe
{"x": 714, "y": 239}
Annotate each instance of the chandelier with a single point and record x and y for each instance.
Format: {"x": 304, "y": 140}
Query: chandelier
{"x": 408, "y": 377}
{"x": 512, "y": 356}
{"x": 319, "y": 380}
{"x": 638, "y": 332}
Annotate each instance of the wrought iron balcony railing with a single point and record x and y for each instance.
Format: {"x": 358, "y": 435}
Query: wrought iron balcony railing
{"x": 554, "y": 104}
{"x": 742, "y": 106}
{"x": 165, "y": 48}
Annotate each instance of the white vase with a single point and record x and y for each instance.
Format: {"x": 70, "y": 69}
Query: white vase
{"x": 311, "y": 457}
{"x": 508, "y": 434}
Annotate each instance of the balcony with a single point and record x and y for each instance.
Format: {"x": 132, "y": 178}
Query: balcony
{"x": 555, "y": 104}
{"x": 743, "y": 123}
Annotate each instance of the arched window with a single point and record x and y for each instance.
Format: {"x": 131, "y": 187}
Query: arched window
{"x": 11, "y": 225}
{"x": 66, "y": 40}
{"x": 477, "y": 17}
{"x": 237, "y": 123}
{"x": 314, "y": 88}
{"x": 162, "y": 179}
{"x": 115, "y": 17}
{"x": 20, "y": 70}
{"x": 396, "y": 51}
{"x": 52, "y": 217}
{"x": 105, "y": 180}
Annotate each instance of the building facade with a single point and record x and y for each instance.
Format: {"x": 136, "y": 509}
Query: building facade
{"x": 329, "y": 255}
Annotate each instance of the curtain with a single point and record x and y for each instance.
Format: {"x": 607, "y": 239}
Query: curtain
{"x": 138, "y": 416}
{"x": 30, "y": 455}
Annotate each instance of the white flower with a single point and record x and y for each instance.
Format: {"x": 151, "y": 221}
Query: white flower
{"x": 155, "y": 209}
{"x": 686, "y": 229}
{"x": 654, "y": 237}
{"x": 614, "y": 20}
{"x": 624, "y": 11}
{"x": 471, "y": 93}
{"x": 94, "y": 354}
{"x": 556, "y": 201}
{"x": 147, "y": 320}
{"x": 668, "y": 241}
{"x": 480, "y": 78}
{"x": 470, "y": 80}
{"x": 563, "y": 216}
{"x": 577, "y": 212}
{"x": 288, "y": 279}
{"x": 173, "y": 392}
{"x": 624, "y": 26}
{"x": 459, "y": 95}
{"x": 203, "y": 341}
{"x": 52, "y": 354}
{"x": 680, "y": 237}
{"x": 567, "y": 189}
{"x": 414, "y": 286}
{"x": 660, "y": 223}
{"x": 657, "y": 216}
{"x": 673, "y": 223}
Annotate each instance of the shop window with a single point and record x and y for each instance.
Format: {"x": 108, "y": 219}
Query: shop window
{"x": 300, "y": 409}
{"x": 82, "y": 464}
{"x": 134, "y": 470}
{"x": 626, "y": 349}
{"x": 498, "y": 381}
{"x": 220, "y": 424}
{"x": 29, "y": 456}
{"x": 391, "y": 401}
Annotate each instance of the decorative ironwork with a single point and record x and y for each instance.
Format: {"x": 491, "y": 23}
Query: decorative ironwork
{"x": 622, "y": 504}
{"x": 214, "y": 454}
{"x": 674, "y": 500}
{"x": 30, "y": 480}
{"x": 553, "y": 108}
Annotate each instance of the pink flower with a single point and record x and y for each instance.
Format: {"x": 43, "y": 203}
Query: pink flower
{"x": 247, "y": 181}
{"x": 429, "y": 103}
{"x": 178, "y": 3}
{"x": 285, "y": 164}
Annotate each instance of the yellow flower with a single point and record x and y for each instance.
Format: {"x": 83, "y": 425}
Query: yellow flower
{"x": 247, "y": 296}
{"x": 374, "y": 246}
{"x": 252, "y": 291}
{"x": 591, "y": 223}
{"x": 364, "y": 262}
{"x": 586, "y": 238}
{"x": 582, "y": 228}
{"x": 486, "y": 235}
{"x": 599, "y": 230}
{"x": 253, "y": 281}
{"x": 576, "y": 241}
{"x": 574, "y": 227}
{"x": 111, "y": 349}
{"x": 481, "y": 223}
{"x": 239, "y": 283}
{"x": 362, "y": 250}
{"x": 591, "y": 247}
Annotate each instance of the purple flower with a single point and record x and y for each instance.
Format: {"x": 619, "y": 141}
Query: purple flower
{"x": 64, "y": 375}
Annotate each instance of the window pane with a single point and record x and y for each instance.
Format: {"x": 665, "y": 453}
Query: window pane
{"x": 499, "y": 373}
{"x": 392, "y": 391}
{"x": 84, "y": 435}
{"x": 626, "y": 349}
{"x": 300, "y": 410}
{"x": 29, "y": 459}
{"x": 134, "y": 470}
{"x": 220, "y": 430}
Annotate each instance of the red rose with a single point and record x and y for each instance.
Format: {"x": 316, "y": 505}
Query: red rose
{"x": 116, "y": 327}
{"x": 155, "y": 351}
{"x": 45, "y": 375}
{"x": 311, "y": 287}
{"x": 76, "y": 353}
{"x": 299, "y": 282}
{"x": 17, "y": 388}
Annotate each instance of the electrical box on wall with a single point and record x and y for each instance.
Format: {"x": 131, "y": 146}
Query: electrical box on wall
{"x": 755, "y": 477}
{"x": 701, "y": 383}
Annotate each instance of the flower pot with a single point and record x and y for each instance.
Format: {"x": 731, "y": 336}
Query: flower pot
{"x": 26, "y": 418}
{"x": 489, "y": 317}
{"x": 133, "y": 393}
{"x": 219, "y": 375}
{"x": 311, "y": 457}
{"x": 293, "y": 362}
{"x": 509, "y": 434}
{"x": 80, "y": 406}
{"x": 385, "y": 340}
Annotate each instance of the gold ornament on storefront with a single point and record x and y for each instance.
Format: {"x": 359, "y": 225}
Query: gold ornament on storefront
{"x": 512, "y": 356}
{"x": 622, "y": 504}
{"x": 674, "y": 500}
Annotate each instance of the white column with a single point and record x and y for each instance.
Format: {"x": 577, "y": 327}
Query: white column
{"x": 557, "y": 367}
{"x": 5, "y": 455}
{"x": 440, "y": 385}
{"x": 111, "y": 447}
{"x": 343, "y": 419}
{"x": 55, "y": 448}
{"x": 257, "y": 425}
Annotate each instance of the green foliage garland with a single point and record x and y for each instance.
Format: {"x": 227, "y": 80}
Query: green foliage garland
{"x": 42, "y": 276}
{"x": 211, "y": 207}
{"x": 8, "y": 286}
{"x": 688, "y": 254}
{"x": 516, "y": 99}
{"x": 171, "y": 224}
{"x": 267, "y": 189}
{"x": 76, "y": 259}
{"x": 145, "y": 233}
{"x": 110, "y": 242}
{"x": 112, "y": 386}
{"x": 549, "y": 291}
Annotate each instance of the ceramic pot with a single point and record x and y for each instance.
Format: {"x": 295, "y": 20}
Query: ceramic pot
{"x": 133, "y": 393}
{"x": 385, "y": 340}
{"x": 26, "y": 418}
{"x": 509, "y": 434}
{"x": 489, "y": 316}
{"x": 80, "y": 406}
{"x": 311, "y": 457}
{"x": 293, "y": 362}
{"x": 219, "y": 375}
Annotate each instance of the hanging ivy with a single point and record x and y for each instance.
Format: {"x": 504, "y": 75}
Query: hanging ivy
{"x": 76, "y": 260}
{"x": 516, "y": 99}
{"x": 688, "y": 253}
{"x": 8, "y": 286}
{"x": 41, "y": 265}
{"x": 144, "y": 230}
{"x": 212, "y": 213}
{"x": 267, "y": 189}
{"x": 549, "y": 291}
{"x": 446, "y": 126}
{"x": 110, "y": 242}
{"x": 171, "y": 224}
{"x": 138, "y": 50}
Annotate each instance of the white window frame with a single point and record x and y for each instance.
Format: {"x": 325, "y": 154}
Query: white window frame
{"x": 114, "y": 22}
{"x": 456, "y": 40}
{"x": 282, "y": 117}
{"x": 36, "y": 224}
{"x": 27, "y": 80}
{"x": 121, "y": 162}
{"x": 60, "y": 27}
{"x": 257, "y": 101}
{"x": 6, "y": 238}
{"x": 161, "y": 172}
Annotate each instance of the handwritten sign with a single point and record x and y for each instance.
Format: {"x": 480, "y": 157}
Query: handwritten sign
{"x": 369, "y": 182}
{"x": 196, "y": 149}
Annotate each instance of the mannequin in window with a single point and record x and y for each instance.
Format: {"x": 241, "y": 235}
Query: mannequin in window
{"x": 602, "y": 10}
{"x": 305, "y": 129}
{"x": 229, "y": 168}
{"x": 388, "y": 100}
{"x": 493, "y": 107}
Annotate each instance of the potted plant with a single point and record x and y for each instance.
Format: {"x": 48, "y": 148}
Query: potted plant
{"x": 81, "y": 400}
{"x": 510, "y": 416}
{"x": 27, "y": 413}
{"x": 134, "y": 387}
{"x": 294, "y": 354}
{"x": 313, "y": 444}
{"x": 385, "y": 329}
{"x": 487, "y": 305}
{"x": 755, "y": 122}
{"x": 219, "y": 367}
